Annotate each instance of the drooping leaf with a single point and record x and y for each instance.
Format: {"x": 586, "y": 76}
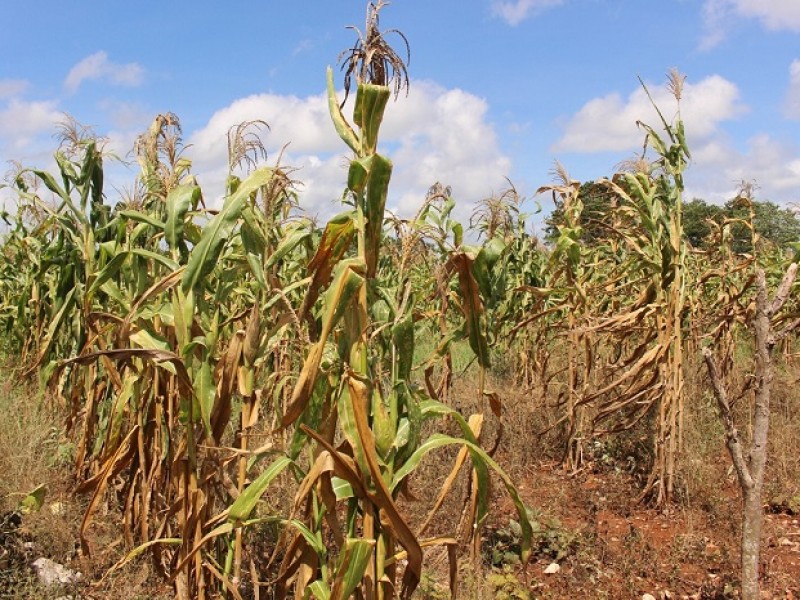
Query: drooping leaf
{"x": 343, "y": 128}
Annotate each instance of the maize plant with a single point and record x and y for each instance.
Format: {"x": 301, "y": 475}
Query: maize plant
{"x": 355, "y": 401}
{"x": 570, "y": 271}
{"x": 628, "y": 296}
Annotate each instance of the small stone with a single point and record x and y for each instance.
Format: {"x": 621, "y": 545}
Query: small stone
{"x": 554, "y": 568}
{"x": 52, "y": 573}
{"x": 648, "y": 597}
{"x": 57, "y": 508}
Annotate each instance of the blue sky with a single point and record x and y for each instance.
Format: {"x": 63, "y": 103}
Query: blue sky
{"x": 499, "y": 88}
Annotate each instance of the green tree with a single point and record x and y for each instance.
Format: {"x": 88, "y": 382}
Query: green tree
{"x": 696, "y": 216}
{"x": 772, "y": 223}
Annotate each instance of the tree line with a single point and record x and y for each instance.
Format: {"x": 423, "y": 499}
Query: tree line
{"x": 775, "y": 225}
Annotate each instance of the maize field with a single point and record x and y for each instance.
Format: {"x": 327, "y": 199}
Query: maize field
{"x": 252, "y": 393}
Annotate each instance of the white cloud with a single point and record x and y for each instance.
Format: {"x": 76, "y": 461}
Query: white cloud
{"x": 12, "y": 87}
{"x": 127, "y": 121}
{"x": 26, "y": 137}
{"x": 718, "y": 166}
{"x": 793, "y": 96}
{"x": 717, "y": 16}
{"x": 609, "y": 123}
{"x": 98, "y": 66}
{"x": 22, "y": 122}
{"x": 717, "y": 170}
{"x": 127, "y": 115}
{"x": 516, "y": 11}
{"x": 432, "y": 135}
{"x": 774, "y": 15}
{"x": 443, "y": 135}
{"x": 302, "y": 121}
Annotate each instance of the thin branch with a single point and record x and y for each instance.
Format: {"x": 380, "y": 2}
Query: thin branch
{"x": 783, "y": 291}
{"x": 783, "y": 333}
{"x": 731, "y": 433}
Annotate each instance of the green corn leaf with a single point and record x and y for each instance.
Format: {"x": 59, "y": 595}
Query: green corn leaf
{"x": 313, "y": 538}
{"x": 53, "y": 328}
{"x": 254, "y": 250}
{"x": 347, "y": 280}
{"x": 205, "y": 254}
{"x": 485, "y": 261}
{"x": 410, "y": 428}
{"x": 137, "y": 233}
{"x": 341, "y": 488}
{"x": 458, "y": 234}
{"x": 139, "y": 217}
{"x": 244, "y": 505}
{"x": 112, "y": 290}
{"x": 358, "y": 173}
{"x": 384, "y": 426}
{"x": 403, "y": 340}
{"x": 353, "y": 563}
{"x": 51, "y": 185}
{"x": 286, "y": 246}
{"x": 206, "y": 391}
{"x": 165, "y": 261}
{"x": 472, "y": 307}
{"x": 228, "y": 527}
{"x": 179, "y": 200}
{"x": 479, "y": 457}
{"x": 368, "y": 114}
{"x": 343, "y": 128}
{"x": 33, "y": 500}
{"x": 320, "y": 590}
{"x": 145, "y": 339}
{"x": 110, "y": 270}
{"x": 380, "y": 173}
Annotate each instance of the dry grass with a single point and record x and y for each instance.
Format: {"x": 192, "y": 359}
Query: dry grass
{"x": 32, "y": 453}
{"x": 28, "y": 459}
{"x": 28, "y": 443}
